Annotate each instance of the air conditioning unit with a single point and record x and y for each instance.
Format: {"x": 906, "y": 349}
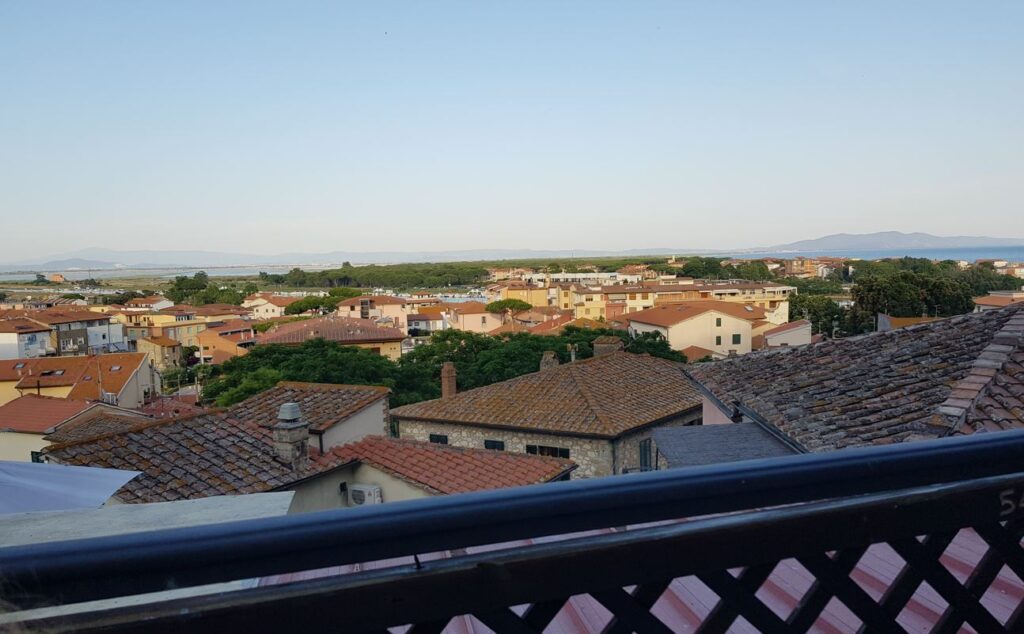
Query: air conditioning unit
{"x": 362, "y": 494}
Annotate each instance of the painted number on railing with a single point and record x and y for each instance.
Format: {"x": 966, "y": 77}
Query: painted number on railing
{"x": 1010, "y": 501}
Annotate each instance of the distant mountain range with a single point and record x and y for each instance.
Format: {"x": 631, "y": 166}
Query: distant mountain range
{"x": 886, "y": 240}
{"x": 94, "y": 258}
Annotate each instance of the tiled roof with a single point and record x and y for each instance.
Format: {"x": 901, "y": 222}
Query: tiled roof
{"x": 160, "y": 340}
{"x": 20, "y": 326}
{"x": 469, "y": 308}
{"x": 171, "y": 406}
{"x": 557, "y": 326}
{"x": 323, "y": 405}
{"x": 604, "y": 396}
{"x": 448, "y": 469}
{"x": 191, "y": 457}
{"x": 793, "y": 325}
{"x": 341, "y": 329}
{"x": 884, "y": 387}
{"x": 672, "y": 314}
{"x": 145, "y": 301}
{"x": 694, "y": 353}
{"x": 53, "y": 316}
{"x": 99, "y": 422}
{"x": 694, "y": 445}
{"x": 83, "y": 373}
{"x": 997, "y": 300}
{"x": 379, "y": 300}
{"x": 280, "y": 301}
{"x": 33, "y": 414}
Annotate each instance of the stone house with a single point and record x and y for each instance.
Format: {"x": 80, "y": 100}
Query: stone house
{"x": 597, "y": 412}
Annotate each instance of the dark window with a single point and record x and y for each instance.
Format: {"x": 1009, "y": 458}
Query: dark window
{"x": 645, "y": 454}
{"x": 718, "y": 340}
{"x": 736, "y": 338}
{"x": 37, "y": 456}
{"x": 439, "y": 439}
{"x": 544, "y": 450}
{"x": 718, "y": 321}
{"x": 497, "y": 445}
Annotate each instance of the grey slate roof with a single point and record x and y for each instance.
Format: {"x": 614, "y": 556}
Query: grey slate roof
{"x": 713, "y": 444}
{"x": 957, "y": 375}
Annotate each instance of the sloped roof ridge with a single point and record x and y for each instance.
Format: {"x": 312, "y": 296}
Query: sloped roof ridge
{"x": 966, "y": 392}
{"x": 146, "y": 424}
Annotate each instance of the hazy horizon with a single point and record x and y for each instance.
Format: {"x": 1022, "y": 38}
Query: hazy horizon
{"x": 312, "y": 127}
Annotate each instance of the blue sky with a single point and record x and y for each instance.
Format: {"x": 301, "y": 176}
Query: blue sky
{"x": 314, "y": 126}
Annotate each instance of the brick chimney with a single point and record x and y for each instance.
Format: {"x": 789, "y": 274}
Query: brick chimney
{"x": 291, "y": 435}
{"x": 549, "y": 360}
{"x": 607, "y": 345}
{"x": 448, "y": 387}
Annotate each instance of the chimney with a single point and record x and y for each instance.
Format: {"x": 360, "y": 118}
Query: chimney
{"x": 448, "y": 387}
{"x": 548, "y": 360}
{"x": 607, "y": 345}
{"x": 291, "y": 435}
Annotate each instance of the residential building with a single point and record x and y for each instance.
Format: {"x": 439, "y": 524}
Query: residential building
{"x": 532, "y": 294}
{"x": 998, "y": 299}
{"x": 359, "y": 333}
{"x": 26, "y": 421}
{"x": 473, "y": 317}
{"x": 960, "y": 375}
{"x": 384, "y": 309}
{"x": 594, "y": 278}
{"x": 598, "y": 412}
{"x": 268, "y": 305}
{"x": 164, "y": 351}
{"x": 149, "y": 303}
{"x": 77, "y": 331}
{"x": 427, "y": 320}
{"x": 336, "y": 413}
{"x": 723, "y": 328}
{"x": 226, "y": 340}
{"x": 242, "y": 451}
{"x": 795, "y": 333}
{"x": 126, "y": 379}
{"x": 23, "y": 338}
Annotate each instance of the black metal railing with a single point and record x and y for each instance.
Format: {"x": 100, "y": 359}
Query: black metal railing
{"x": 823, "y": 511}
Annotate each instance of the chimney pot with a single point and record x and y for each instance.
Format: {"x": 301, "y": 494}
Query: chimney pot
{"x": 448, "y": 382}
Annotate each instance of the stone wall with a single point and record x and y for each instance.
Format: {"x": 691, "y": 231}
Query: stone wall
{"x": 594, "y": 456}
{"x": 627, "y": 447}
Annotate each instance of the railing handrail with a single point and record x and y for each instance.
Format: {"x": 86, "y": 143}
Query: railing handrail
{"x": 141, "y": 562}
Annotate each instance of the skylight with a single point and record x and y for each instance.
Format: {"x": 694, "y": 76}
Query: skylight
{"x": 115, "y": 368}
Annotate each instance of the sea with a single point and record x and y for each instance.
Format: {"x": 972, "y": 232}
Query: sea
{"x": 970, "y": 254}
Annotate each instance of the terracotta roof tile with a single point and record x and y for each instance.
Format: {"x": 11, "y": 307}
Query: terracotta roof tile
{"x": 20, "y": 325}
{"x": 82, "y": 373}
{"x": 191, "y": 457}
{"x": 448, "y": 469}
{"x": 98, "y": 422}
{"x": 884, "y": 387}
{"x": 33, "y": 414}
{"x": 323, "y": 405}
{"x": 676, "y": 312}
{"x": 603, "y": 396}
{"x": 340, "y": 329}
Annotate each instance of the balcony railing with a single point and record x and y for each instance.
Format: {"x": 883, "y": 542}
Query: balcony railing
{"x": 519, "y": 560}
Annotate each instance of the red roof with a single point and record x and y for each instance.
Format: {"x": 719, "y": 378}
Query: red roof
{"x": 20, "y": 326}
{"x": 672, "y": 314}
{"x": 373, "y": 299}
{"x": 793, "y": 325}
{"x": 34, "y": 414}
{"x": 340, "y": 329}
{"x": 448, "y": 469}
